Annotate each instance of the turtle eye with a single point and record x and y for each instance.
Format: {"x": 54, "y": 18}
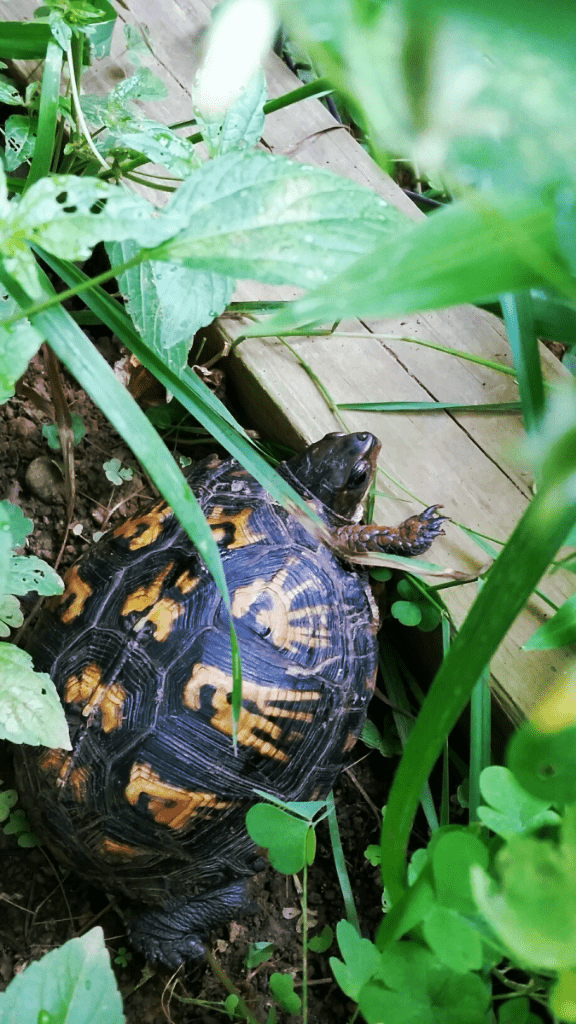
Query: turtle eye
{"x": 359, "y": 476}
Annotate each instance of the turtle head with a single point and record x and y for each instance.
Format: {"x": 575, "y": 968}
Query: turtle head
{"x": 338, "y": 470}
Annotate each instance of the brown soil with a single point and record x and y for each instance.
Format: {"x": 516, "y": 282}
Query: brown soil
{"x": 43, "y": 908}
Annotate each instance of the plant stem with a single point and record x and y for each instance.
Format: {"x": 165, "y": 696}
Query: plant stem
{"x": 305, "y": 943}
{"x": 228, "y": 985}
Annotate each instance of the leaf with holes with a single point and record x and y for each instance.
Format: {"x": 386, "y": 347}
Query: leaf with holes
{"x": 30, "y": 709}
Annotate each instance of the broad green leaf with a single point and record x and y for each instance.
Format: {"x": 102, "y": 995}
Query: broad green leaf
{"x": 20, "y": 137}
{"x": 412, "y": 985}
{"x": 513, "y": 810}
{"x": 259, "y": 216}
{"x": 458, "y": 254}
{"x": 169, "y": 303}
{"x": 282, "y": 988}
{"x": 557, "y": 631}
{"x": 243, "y": 122}
{"x": 516, "y": 1011}
{"x": 453, "y": 941}
{"x": 8, "y": 93}
{"x": 544, "y": 762}
{"x": 407, "y": 612}
{"x": 156, "y": 142}
{"x": 68, "y": 215}
{"x": 30, "y": 709}
{"x": 453, "y": 854}
{"x": 361, "y": 960}
{"x": 532, "y": 906}
{"x": 19, "y": 525}
{"x": 11, "y": 616}
{"x": 27, "y": 572}
{"x": 462, "y": 91}
{"x": 563, "y": 997}
{"x": 284, "y": 836}
{"x": 71, "y": 985}
{"x": 18, "y": 343}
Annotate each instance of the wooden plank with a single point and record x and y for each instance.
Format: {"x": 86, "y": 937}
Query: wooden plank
{"x": 467, "y": 461}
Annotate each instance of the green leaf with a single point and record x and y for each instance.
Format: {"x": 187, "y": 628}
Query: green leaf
{"x": 453, "y": 855}
{"x": 282, "y": 988}
{"x": 258, "y": 953}
{"x": 322, "y": 942}
{"x": 513, "y": 811}
{"x": 544, "y": 763}
{"x": 462, "y": 253}
{"x": 8, "y": 797}
{"x": 532, "y": 906}
{"x": 27, "y": 572}
{"x": 74, "y": 984}
{"x": 10, "y": 614}
{"x": 20, "y": 135}
{"x": 9, "y": 94}
{"x": 19, "y": 525}
{"x": 50, "y": 432}
{"x": 361, "y": 960}
{"x": 412, "y": 985}
{"x": 18, "y": 343}
{"x": 557, "y": 631}
{"x": 283, "y": 835}
{"x": 516, "y": 1011}
{"x": 68, "y": 215}
{"x": 30, "y": 709}
{"x": 407, "y": 612}
{"x": 159, "y": 144}
{"x": 169, "y": 303}
{"x": 452, "y": 940}
{"x": 260, "y": 216}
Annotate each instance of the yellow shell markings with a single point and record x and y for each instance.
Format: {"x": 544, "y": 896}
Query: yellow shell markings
{"x": 80, "y": 589}
{"x": 169, "y": 805}
{"x": 112, "y": 850}
{"x": 164, "y": 615}
{"x": 185, "y": 582}
{"x": 58, "y": 763}
{"x": 144, "y": 596}
{"x": 287, "y": 630}
{"x": 90, "y": 694}
{"x": 151, "y": 521}
{"x": 218, "y": 518}
{"x": 249, "y": 723}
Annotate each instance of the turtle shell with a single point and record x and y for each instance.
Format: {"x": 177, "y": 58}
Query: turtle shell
{"x": 151, "y": 799}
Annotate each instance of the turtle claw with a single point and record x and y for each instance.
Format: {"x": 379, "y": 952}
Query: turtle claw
{"x": 419, "y": 531}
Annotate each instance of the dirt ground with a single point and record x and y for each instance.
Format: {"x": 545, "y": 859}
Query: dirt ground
{"x": 41, "y": 907}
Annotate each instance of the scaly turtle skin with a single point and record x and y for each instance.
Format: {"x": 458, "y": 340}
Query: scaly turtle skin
{"x": 151, "y": 800}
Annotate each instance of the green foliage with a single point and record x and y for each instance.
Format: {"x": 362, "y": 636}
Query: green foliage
{"x": 19, "y": 573}
{"x": 288, "y": 837}
{"x": 116, "y": 473}
{"x": 30, "y": 709}
{"x": 258, "y": 953}
{"x": 513, "y": 811}
{"x": 74, "y": 982}
{"x": 282, "y": 988}
{"x": 322, "y": 942}
{"x": 50, "y": 432}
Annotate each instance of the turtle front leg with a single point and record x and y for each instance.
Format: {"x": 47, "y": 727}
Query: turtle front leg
{"x": 412, "y": 537}
{"x": 179, "y": 930}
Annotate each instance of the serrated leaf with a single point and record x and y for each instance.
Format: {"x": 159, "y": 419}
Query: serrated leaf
{"x": 11, "y": 616}
{"x": 27, "y": 572}
{"x": 72, "y": 984}
{"x": 8, "y": 93}
{"x": 19, "y": 525}
{"x": 20, "y": 137}
{"x": 259, "y": 216}
{"x": 156, "y": 142}
{"x": 68, "y": 215}
{"x": 169, "y": 303}
{"x": 30, "y": 709}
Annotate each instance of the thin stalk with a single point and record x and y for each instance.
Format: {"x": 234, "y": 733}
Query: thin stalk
{"x": 340, "y": 865}
{"x": 79, "y": 115}
{"x": 479, "y": 741}
{"x": 305, "y": 943}
{"x": 230, "y": 988}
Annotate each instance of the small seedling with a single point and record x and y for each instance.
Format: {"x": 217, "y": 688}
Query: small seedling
{"x": 123, "y": 957}
{"x": 50, "y": 432}
{"x": 116, "y": 473}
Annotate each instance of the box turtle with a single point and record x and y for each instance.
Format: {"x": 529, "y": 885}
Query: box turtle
{"x": 151, "y": 800}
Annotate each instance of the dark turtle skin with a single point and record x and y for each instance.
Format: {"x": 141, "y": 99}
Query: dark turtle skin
{"x": 151, "y": 800}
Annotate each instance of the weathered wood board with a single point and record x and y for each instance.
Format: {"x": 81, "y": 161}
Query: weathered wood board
{"x": 467, "y": 461}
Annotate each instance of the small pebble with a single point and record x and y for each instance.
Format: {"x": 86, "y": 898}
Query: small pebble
{"x": 24, "y": 427}
{"x": 44, "y": 480}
